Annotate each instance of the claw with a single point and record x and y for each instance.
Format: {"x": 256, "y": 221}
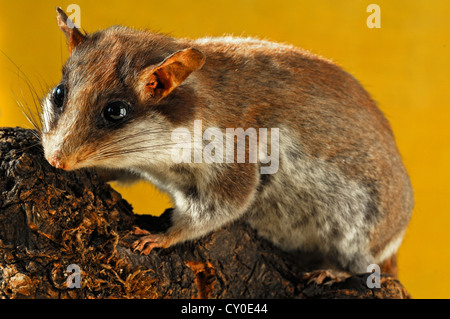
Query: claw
{"x": 140, "y": 231}
{"x": 146, "y": 243}
{"x": 325, "y": 277}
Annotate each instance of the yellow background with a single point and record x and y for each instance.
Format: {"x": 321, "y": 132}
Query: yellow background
{"x": 404, "y": 65}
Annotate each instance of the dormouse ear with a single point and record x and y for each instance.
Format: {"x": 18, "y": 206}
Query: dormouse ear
{"x": 73, "y": 34}
{"x": 158, "y": 81}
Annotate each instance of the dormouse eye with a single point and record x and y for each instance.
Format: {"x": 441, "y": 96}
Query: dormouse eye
{"x": 115, "y": 111}
{"x": 59, "y": 93}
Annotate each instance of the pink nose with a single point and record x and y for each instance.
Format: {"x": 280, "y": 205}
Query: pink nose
{"x": 56, "y": 161}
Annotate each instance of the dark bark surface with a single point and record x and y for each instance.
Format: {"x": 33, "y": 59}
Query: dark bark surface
{"x": 50, "y": 219}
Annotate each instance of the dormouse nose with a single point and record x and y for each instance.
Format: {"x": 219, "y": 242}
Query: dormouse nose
{"x": 57, "y": 161}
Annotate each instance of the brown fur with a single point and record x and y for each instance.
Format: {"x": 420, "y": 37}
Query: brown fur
{"x": 389, "y": 266}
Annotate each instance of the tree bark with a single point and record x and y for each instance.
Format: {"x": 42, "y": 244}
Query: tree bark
{"x": 50, "y": 219}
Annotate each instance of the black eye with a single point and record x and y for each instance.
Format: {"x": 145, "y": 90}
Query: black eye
{"x": 59, "y": 93}
{"x": 115, "y": 111}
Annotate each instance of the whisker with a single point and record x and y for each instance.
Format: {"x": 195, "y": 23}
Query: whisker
{"x": 45, "y": 90}
{"x": 118, "y": 151}
{"x": 36, "y": 144}
{"x": 23, "y": 105}
{"x": 128, "y": 137}
{"x": 31, "y": 146}
{"x": 35, "y": 96}
{"x": 26, "y": 111}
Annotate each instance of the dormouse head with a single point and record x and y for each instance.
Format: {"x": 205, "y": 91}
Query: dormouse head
{"x": 121, "y": 93}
